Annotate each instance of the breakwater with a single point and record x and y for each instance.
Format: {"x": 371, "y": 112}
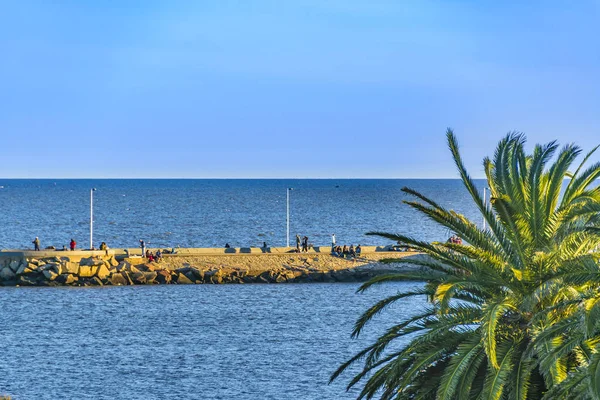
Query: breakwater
{"x": 192, "y": 266}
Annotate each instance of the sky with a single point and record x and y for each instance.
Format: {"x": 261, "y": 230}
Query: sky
{"x": 289, "y": 89}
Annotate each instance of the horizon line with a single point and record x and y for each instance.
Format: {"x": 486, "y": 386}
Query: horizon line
{"x": 233, "y": 178}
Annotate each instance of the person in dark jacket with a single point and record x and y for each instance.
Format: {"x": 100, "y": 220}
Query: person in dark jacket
{"x": 36, "y": 244}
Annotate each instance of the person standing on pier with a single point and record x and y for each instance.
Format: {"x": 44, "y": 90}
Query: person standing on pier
{"x": 333, "y": 242}
{"x": 305, "y": 244}
{"x": 143, "y": 246}
{"x": 72, "y": 244}
{"x": 297, "y": 243}
{"x": 36, "y": 244}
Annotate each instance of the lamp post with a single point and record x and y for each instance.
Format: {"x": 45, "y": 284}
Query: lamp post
{"x": 288, "y": 214}
{"x": 92, "y": 217}
{"x": 485, "y": 203}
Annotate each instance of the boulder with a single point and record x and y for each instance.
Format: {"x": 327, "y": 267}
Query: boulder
{"x": 86, "y": 271}
{"x": 95, "y": 281}
{"x": 103, "y": 272}
{"x": 217, "y": 277}
{"x": 138, "y": 278}
{"x": 27, "y": 269}
{"x": 123, "y": 266}
{"x": 91, "y": 261}
{"x": 28, "y": 280}
{"x": 50, "y": 274}
{"x": 183, "y": 280}
{"x": 163, "y": 277}
{"x": 150, "y": 277}
{"x": 127, "y": 277}
{"x": 14, "y": 265}
{"x": 145, "y": 267}
{"x": 69, "y": 267}
{"x": 113, "y": 262}
{"x": 198, "y": 274}
{"x": 118, "y": 279}
{"x": 7, "y": 274}
{"x": 132, "y": 269}
{"x": 66, "y": 279}
{"x": 54, "y": 267}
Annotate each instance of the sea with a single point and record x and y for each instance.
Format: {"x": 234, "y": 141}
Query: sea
{"x": 211, "y": 213}
{"x": 200, "y": 341}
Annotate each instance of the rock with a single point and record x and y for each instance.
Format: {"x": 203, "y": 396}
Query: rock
{"x": 14, "y": 265}
{"x": 113, "y": 262}
{"x": 54, "y": 267}
{"x": 133, "y": 269}
{"x": 66, "y": 279}
{"x": 50, "y": 274}
{"x": 217, "y": 277}
{"x": 163, "y": 277}
{"x": 138, "y": 278}
{"x": 198, "y": 274}
{"x": 183, "y": 280}
{"x": 145, "y": 267}
{"x": 103, "y": 272}
{"x": 123, "y": 266}
{"x": 27, "y": 280}
{"x": 27, "y": 269}
{"x": 118, "y": 279}
{"x": 190, "y": 275}
{"x": 127, "y": 277}
{"x": 279, "y": 278}
{"x": 69, "y": 267}
{"x": 91, "y": 261}
{"x": 7, "y": 274}
{"x": 150, "y": 276}
{"x": 95, "y": 281}
{"x": 87, "y": 271}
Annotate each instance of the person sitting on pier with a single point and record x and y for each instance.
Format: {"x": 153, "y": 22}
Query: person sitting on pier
{"x": 358, "y": 250}
{"x": 227, "y": 246}
{"x": 158, "y": 255}
{"x": 336, "y": 251}
{"x": 351, "y": 251}
{"x": 345, "y": 251}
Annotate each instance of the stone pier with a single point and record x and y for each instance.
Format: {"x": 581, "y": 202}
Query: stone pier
{"x": 193, "y": 266}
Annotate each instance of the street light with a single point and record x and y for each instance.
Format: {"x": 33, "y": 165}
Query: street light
{"x": 288, "y": 214}
{"x": 92, "y": 218}
{"x": 485, "y": 203}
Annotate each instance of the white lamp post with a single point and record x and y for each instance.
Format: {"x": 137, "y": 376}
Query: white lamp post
{"x": 288, "y": 214}
{"x": 92, "y": 217}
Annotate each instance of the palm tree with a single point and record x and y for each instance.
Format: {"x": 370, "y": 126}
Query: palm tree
{"x": 505, "y": 311}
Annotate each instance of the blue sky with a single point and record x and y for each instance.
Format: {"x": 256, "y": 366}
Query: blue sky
{"x": 295, "y": 89}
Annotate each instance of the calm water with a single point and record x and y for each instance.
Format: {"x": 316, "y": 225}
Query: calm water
{"x": 196, "y": 342}
{"x": 210, "y": 213}
{"x": 184, "y": 342}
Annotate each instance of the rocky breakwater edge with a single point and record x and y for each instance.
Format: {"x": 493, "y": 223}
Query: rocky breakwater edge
{"x": 108, "y": 271}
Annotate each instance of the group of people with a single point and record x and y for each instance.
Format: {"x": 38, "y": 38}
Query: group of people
{"x": 72, "y": 245}
{"x": 454, "y": 239}
{"x": 302, "y": 243}
{"x": 346, "y": 251}
{"x": 150, "y": 256}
